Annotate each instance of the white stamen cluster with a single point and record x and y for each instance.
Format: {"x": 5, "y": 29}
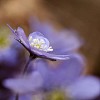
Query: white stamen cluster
{"x": 40, "y": 43}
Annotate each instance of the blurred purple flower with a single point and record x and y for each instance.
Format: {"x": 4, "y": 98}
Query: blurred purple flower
{"x": 48, "y": 76}
{"x": 25, "y": 84}
{"x": 60, "y": 74}
{"x": 11, "y": 60}
{"x": 10, "y": 63}
{"x": 85, "y": 88}
{"x": 67, "y": 42}
{"x": 66, "y": 76}
{"x": 10, "y": 54}
{"x": 37, "y": 44}
{"x": 9, "y": 48}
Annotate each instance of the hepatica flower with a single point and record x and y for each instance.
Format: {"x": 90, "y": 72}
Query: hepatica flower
{"x": 50, "y": 44}
{"x": 8, "y": 47}
{"x": 66, "y": 76}
{"x": 60, "y": 74}
{"x": 85, "y": 88}
{"x": 47, "y": 76}
{"x": 24, "y": 84}
{"x": 37, "y": 44}
{"x": 10, "y": 59}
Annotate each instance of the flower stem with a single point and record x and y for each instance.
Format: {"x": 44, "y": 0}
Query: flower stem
{"x": 26, "y": 66}
{"x": 17, "y": 97}
{"x": 25, "y": 70}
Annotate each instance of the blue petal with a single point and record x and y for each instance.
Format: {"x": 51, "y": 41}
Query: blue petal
{"x": 43, "y": 54}
{"x": 24, "y": 84}
{"x": 36, "y": 34}
{"x": 20, "y": 36}
{"x": 6, "y": 55}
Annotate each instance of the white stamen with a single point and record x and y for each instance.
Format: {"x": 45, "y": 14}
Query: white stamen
{"x": 30, "y": 38}
{"x": 40, "y": 43}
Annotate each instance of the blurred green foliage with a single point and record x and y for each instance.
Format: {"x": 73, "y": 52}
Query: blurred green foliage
{"x": 56, "y": 95}
{"x": 4, "y": 37}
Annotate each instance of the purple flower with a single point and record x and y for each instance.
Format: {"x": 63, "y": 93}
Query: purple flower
{"x": 67, "y": 42}
{"x": 85, "y": 88}
{"x": 10, "y": 60}
{"x": 60, "y": 74}
{"x": 61, "y": 45}
{"x": 24, "y": 84}
{"x": 8, "y": 48}
{"x": 6, "y": 58}
{"x": 47, "y": 76}
{"x": 67, "y": 76}
{"x": 37, "y": 44}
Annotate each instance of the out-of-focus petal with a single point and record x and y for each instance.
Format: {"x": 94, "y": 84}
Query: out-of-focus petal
{"x": 6, "y": 57}
{"x": 85, "y": 88}
{"x": 69, "y": 41}
{"x": 63, "y": 74}
{"x": 24, "y": 84}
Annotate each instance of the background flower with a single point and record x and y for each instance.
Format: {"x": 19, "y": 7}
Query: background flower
{"x": 85, "y": 88}
{"x": 24, "y": 84}
{"x": 48, "y": 76}
{"x": 11, "y": 59}
{"x": 60, "y": 74}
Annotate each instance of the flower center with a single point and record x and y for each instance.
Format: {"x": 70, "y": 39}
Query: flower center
{"x": 40, "y": 43}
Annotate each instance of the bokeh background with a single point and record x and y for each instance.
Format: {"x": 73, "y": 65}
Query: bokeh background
{"x": 81, "y": 15}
